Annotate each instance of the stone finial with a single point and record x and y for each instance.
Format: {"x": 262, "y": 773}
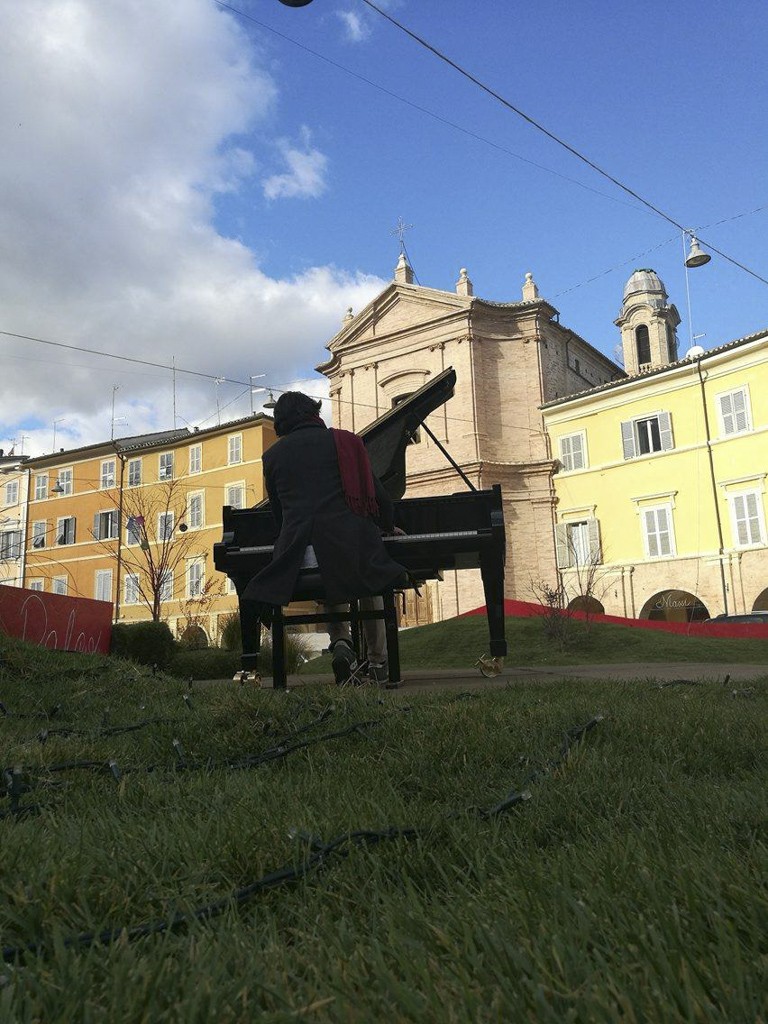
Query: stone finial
{"x": 464, "y": 285}
{"x": 530, "y": 288}
{"x": 403, "y": 271}
{"x": 349, "y": 315}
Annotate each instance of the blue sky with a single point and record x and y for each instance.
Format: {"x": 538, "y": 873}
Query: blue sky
{"x": 181, "y": 183}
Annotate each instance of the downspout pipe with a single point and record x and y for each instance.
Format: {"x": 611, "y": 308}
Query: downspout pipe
{"x": 721, "y": 552}
{"x": 119, "y": 534}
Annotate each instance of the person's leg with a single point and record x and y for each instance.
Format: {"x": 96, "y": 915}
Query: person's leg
{"x": 375, "y": 638}
{"x": 343, "y": 658}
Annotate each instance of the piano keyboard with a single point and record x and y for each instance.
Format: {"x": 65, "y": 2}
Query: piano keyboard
{"x": 406, "y": 538}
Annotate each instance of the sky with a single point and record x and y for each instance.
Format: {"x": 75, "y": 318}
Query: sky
{"x": 212, "y": 186}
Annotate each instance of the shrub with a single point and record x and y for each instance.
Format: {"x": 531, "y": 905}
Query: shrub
{"x": 215, "y": 663}
{"x": 230, "y": 638}
{"x": 147, "y": 643}
{"x": 194, "y": 638}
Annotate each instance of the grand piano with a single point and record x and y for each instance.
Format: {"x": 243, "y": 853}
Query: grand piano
{"x": 464, "y": 530}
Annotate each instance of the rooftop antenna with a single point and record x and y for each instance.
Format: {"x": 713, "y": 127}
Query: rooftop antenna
{"x": 115, "y": 389}
{"x": 55, "y": 422}
{"x": 217, "y": 381}
{"x": 255, "y": 391}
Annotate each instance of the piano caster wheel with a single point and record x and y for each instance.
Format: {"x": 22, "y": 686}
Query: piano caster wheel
{"x": 244, "y": 677}
{"x": 490, "y": 667}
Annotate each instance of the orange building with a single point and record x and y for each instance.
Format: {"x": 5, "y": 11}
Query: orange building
{"x": 133, "y": 521}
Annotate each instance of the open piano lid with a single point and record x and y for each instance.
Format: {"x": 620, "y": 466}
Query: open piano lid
{"x": 387, "y": 438}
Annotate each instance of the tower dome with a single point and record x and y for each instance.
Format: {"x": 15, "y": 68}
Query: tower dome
{"x": 647, "y": 283}
{"x": 648, "y": 323}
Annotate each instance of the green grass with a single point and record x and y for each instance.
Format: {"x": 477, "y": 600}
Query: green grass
{"x": 630, "y": 887}
{"x": 458, "y": 643}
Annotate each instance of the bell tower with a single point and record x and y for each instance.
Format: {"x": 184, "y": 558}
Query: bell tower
{"x": 648, "y": 323}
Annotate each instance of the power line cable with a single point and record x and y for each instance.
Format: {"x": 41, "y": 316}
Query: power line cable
{"x": 555, "y": 138}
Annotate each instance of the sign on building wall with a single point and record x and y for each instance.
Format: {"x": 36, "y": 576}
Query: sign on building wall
{"x": 55, "y": 621}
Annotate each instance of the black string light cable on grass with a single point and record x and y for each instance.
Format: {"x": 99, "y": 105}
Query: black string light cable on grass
{"x": 317, "y": 854}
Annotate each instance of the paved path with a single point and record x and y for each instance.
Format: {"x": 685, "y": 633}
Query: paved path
{"x": 462, "y": 679}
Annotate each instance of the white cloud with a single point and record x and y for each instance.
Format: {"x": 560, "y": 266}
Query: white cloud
{"x": 305, "y": 177}
{"x": 123, "y": 122}
{"x": 356, "y": 28}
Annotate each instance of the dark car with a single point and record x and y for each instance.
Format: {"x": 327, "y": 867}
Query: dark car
{"x": 760, "y": 617}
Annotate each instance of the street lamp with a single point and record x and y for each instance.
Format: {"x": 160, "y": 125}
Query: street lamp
{"x": 295, "y": 3}
{"x": 696, "y": 256}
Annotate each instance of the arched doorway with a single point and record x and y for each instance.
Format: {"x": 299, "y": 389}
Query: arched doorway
{"x": 588, "y": 605}
{"x": 194, "y": 637}
{"x": 674, "y": 606}
{"x": 761, "y": 602}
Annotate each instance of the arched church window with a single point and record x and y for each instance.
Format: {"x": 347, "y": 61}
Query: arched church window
{"x": 643, "y": 342}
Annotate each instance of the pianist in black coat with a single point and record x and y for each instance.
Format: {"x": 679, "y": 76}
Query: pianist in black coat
{"x": 304, "y": 485}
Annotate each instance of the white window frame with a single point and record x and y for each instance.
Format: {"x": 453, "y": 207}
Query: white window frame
{"x": 37, "y": 584}
{"x": 131, "y": 593}
{"x": 107, "y": 475}
{"x": 134, "y": 472}
{"x": 234, "y": 449}
{"x": 102, "y": 583}
{"x": 566, "y": 549}
{"x": 729, "y": 417}
{"x": 753, "y": 520}
{"x": 165, "y": 466}
{"x": 61, "y": 529}
{"x": 651, "y": 539}
{"x": 165, "y": 586}
{"x": 109, "y": 517}
{"x": 631, "y": 435}
{"x": 163, "y": 532}
{"x": 195, "y": 577}
{"x": 196, "y": 521}
{"x": 41, "y": 487}
{"x": 12, "y": 493}
{"x": 195, "y": 459}
{"x": 64, "y": 479}
{"x": 10, "y": 545}
{"x": 132, "y": 532}
{"x": 573, "y": 456}
{"x": 59, "y": 585}
{"x": 240, "y": 485}
{"x": 39, "y": 534}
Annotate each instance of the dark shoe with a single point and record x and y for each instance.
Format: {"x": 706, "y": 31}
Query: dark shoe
{"x": 344, "y": 662}
{"x": 379, "y": 674}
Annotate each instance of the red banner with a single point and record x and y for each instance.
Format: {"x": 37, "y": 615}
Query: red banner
{"x": 55, "y": 621}
{"x": 756, "y": 630}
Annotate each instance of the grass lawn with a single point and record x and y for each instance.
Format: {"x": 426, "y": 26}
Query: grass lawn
{"x": 631, "y": 886}
{"x": 458, "y": 643}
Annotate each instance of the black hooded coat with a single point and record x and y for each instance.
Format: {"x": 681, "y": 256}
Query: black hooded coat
{"x": 303, "y": 482}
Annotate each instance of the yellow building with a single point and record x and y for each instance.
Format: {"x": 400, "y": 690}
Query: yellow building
{"x": 660, "y": 480}
{"x": 133, "y": 521}
{"x": 13, "y": 503}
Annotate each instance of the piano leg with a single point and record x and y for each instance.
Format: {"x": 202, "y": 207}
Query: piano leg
{"x": 393, "y": 643}
{"x": 493, "y": 587}
{"x": 250, "y": 632}
{"x": 278, "y": 650}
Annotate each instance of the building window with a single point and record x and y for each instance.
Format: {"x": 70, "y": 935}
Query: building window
{"x": 195, "y": 511}
{"x": 37, "y": 585}
{"x": 103, "y": 588}
{"x": 647, "y": 434}
{"x": 196, "y": 458}
{"x": 234, "y": 496}
{"x": 65, "y": 530}
{"x": 658, "y": 534}
{"x": 10, "y": 545}
{"x": 134, "y": 472}
{"x": 733, "y": 408}
{"x": 12, "y": 493}
{"x": 39, "y": 530}
{"x": 165, "y": 526}
{"x": 131, "y": 594}
{"x": 165, "y": 588}
{"x": 107, "y": 474}
{"x": 64, "y": 481}
{"x": 105, "y": 525}
{"x": 747, "y": 523}
{"x": 41, "y": 487}
{"x": 578, "y": 543}
{"x": 166, "y": 466}
{"x": 195, "y": 574}
{"x": 59, "y": 585}
{"x": 133, "y": 530}
{"x": 573, "y": 451}
{"x": 643, "y": 342}
{"x": 235, "y": 449}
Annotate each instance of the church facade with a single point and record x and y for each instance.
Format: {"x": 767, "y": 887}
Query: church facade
{"x": 511, "y": 358}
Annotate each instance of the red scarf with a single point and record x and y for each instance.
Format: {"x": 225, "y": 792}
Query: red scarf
{"x": 356, "y": 473}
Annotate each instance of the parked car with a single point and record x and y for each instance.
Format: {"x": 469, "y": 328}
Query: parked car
{"x": 743, "y": 617}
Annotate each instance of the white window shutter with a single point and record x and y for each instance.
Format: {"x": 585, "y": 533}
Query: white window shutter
{"x": 565, "y": 452}
{"x": 649, "y": 517}
{"x": 595, "y": 554}
{"x": 563, "y": 548}
{"x": 726, "y": 412}
{"x": 628, "y": 439}
{"x": 96, "y": 520}
{"x": 665, "y": 431}
{"x": 739, "y": 405}
{"x": 577, "y": 452}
